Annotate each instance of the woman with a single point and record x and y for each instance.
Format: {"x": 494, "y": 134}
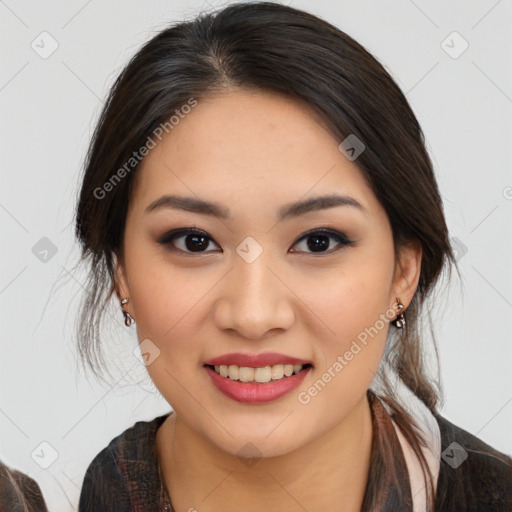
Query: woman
{"x": 258, "y": 196}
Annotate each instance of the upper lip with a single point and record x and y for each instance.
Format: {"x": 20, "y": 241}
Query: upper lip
{"x": 255, "y": 360}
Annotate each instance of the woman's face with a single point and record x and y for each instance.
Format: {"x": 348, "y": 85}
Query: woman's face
{"x": 248, "y": 290}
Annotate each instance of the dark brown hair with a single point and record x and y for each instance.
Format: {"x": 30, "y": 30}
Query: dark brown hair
{"x": 270, "y": 47}
{"x": 19, "y": 492}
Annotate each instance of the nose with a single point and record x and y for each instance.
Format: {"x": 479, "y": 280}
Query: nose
{"x": 254, "y": 301}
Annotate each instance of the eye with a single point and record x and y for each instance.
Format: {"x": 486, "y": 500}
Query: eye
{"x": 193, "y": 240}
{"x": 318, "y": 240}
{"x": 197, "y": 241}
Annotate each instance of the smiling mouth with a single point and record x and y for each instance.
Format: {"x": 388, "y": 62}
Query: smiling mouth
{"x": 259, "y": 375}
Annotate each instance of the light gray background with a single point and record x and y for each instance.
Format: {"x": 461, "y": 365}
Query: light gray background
{"x": 48, "y": 110}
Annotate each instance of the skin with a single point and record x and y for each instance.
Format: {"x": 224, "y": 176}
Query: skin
{"x": 253, "y": 152}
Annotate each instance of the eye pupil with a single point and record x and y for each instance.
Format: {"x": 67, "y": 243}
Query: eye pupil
{"x": 320, "y": 242}
{"x": 196, "y": 243}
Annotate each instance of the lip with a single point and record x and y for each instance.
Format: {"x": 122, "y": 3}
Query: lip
{"x": 256, "y": 393}
{"x": 255, "y": 360}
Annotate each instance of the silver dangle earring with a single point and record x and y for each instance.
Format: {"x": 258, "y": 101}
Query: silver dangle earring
{"x": 399, "y": 321}
{"x": 128, "y": 319}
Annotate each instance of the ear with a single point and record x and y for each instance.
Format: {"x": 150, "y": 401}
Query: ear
{"x": 407, "y": 272}
{"x": 120, "y": 281}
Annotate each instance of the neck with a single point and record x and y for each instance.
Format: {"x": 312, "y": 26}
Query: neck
{"x": 328, "y": 472}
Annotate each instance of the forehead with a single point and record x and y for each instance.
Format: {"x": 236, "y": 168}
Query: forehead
{"x": 252, "y": 147}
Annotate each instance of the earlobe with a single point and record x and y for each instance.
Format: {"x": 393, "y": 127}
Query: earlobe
{"x": 122, "y": 293}
{"x": 408, "y": 271}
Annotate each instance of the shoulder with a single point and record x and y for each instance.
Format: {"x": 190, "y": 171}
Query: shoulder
{"x": 473, "y": 475}
{"x": 124, "y": 470}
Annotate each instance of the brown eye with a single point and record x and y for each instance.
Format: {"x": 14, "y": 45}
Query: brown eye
{"x": 319, "y": 241}
{"x": 187, "y": 240}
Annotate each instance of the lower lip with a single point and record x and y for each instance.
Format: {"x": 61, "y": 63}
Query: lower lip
{"x": 249, "y": 393}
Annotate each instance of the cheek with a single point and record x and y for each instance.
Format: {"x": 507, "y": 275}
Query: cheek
{"x": 352, "y": 297}
{"x": 353, "y": 303}
{"x": 348, "y": 360}
{"x": 162, "y": 308}
{"x": 163, "y": 295}
{"x": 167, "y": 307}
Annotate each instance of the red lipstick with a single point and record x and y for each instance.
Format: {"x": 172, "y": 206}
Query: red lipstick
{"x": 255, "y": 392}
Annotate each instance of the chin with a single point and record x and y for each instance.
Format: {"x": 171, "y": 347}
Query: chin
{"x": 272, "y": 434}
{"x": 249, "y": 447}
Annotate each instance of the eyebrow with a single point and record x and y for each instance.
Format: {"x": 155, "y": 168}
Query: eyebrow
{"x": 296, "y": 209}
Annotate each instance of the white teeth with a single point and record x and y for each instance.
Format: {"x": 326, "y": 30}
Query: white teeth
{"x": 261, "y": 374}
{"x": 233, "y": 372}
{"x": 277, "y": 372}
{"x": 246, "y": 374}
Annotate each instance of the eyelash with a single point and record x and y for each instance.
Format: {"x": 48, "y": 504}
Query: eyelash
{"x": 343, "y": 240}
